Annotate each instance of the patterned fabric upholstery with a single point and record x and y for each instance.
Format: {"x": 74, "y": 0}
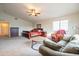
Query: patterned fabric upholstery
{"x": 58, "y": 35}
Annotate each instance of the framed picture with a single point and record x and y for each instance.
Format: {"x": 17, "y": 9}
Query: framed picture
{"x": 38, "y": 25}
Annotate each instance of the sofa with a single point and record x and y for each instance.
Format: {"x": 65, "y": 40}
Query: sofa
{"x": 45, "y": 51}
{"x": 34, "y": 32}
{"x": 25, "y": 34}
{"x": 51, "y": 48}
{"x": 37, "y": 32}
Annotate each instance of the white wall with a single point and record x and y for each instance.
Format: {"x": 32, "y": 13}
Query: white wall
{"x": 46, "y": 25}
{"x": 73, "y": 23}
{"x": 22, "y": 24}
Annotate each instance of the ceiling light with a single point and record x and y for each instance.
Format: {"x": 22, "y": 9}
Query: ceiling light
{"x": 33, "y": 12}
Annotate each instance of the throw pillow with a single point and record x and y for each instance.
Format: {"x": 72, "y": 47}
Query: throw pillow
{"x": 66, "y": 38}
{"x": 75, "y": 37}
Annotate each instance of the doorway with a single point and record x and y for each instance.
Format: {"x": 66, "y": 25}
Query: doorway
{"x": 4, "y": 29}
{"x": 14, "y": 31}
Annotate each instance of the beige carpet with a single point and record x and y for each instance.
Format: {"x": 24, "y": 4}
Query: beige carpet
{"x": 18, "y": 46}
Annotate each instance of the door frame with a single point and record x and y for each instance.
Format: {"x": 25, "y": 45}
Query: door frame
{"x": 14, "y": 28}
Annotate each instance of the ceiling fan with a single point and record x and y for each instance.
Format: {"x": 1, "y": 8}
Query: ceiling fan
{"x": 32, "y": 12}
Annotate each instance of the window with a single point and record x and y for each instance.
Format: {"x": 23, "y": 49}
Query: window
{"x": 61, "y": 24}
{"x": 55, "y": 25}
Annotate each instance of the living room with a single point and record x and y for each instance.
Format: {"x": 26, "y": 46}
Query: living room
{"x": 25, "y": 27}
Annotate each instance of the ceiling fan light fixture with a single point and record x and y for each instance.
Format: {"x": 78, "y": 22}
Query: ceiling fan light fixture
{"x": 33, "y": 12}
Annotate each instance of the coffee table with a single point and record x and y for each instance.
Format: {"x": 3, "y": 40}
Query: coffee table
{"x": 36, "y": 40}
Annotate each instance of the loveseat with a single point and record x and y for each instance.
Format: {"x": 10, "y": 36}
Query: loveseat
{"x": 34, "y": 32}
{"x": 50, "y": 48}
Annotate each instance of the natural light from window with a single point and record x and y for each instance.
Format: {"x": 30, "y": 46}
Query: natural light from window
{"x": 59, "y": 25}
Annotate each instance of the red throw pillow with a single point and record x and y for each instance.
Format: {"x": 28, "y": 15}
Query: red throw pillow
{"x": 57, "y": 37}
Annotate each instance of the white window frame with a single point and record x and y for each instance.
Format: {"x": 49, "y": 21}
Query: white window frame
{"x": 59, "y": 25}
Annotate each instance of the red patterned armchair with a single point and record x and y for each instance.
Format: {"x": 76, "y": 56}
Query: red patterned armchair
{"x": 58, "y": 35}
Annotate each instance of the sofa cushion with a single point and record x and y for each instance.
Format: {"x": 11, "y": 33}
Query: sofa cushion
{"x": 49, "y": 52}
{"x": 75, "y": 37}
{"x": 58, "y": 45}
{"x": 72, "y": 46}
{"x": 67, "y": 38}
{"x": 62, "y": 43}
{"x": 51, "y": 44}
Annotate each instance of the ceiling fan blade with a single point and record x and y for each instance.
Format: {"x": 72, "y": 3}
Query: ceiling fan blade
{"x": 32, "y": 10}
{"x": 30, "y": 14}
{"x": 37, "y": 13}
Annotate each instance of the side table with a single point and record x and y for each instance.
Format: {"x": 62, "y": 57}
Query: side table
{"x": 36, "y": 40}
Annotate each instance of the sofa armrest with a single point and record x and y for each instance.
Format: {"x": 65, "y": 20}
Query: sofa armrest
{"x": 51, "y": 44}
{"x": 49, "y": 52}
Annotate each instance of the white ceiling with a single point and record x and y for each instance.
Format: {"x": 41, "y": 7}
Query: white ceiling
{"x": 47, "y": 10}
